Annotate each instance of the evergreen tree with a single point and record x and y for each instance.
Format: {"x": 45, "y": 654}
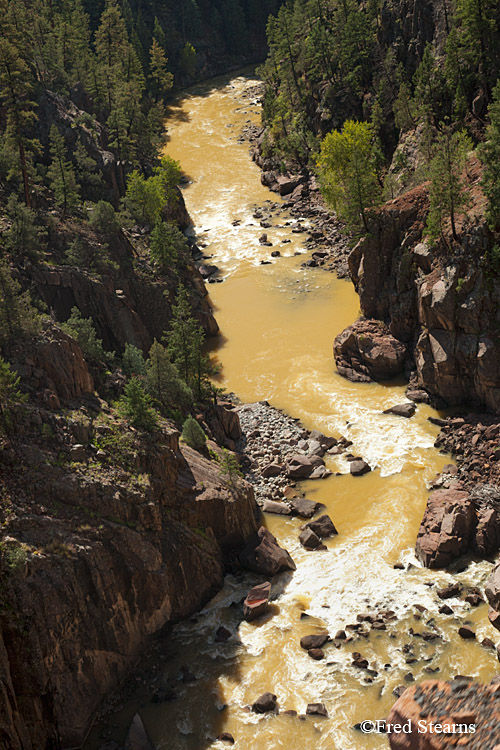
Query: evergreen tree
{"x": 164, "y": 383}
{"x": 15, "y": 90}
{"x": 61, "y": 173}
{"x": 193, "y": 435}
{"x": 161, "y": 79}
{"x": 82, "y": 329}
{"x": 10, "y": 395}
{"x": 135, "y": 404}
{"x": 24, "y": 236}
{"x": 133, "y": 361}
{"x": 448, "y": 194}
{"x": 347, "y": 174}
{"x": 489, "y": 153}
{"x": 168, "y": 246}
{"x": 187, "y": 61}
{"x": 185, "y": 346}
{"x": 17, "y": 315}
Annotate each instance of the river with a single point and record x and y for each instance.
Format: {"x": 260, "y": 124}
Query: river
{"x": 277, "y": 324}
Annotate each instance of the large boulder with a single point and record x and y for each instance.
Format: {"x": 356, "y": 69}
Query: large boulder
{"x": 265, "y": 703}
{"x": 322, "y": 526}
{"x": 257, "y": 601}
{"x": 447, "y": 528}
{"x": 301, "y": 467}
{"x": 301, "y": 506}
{"x": 262, "y": 554}
{"x": 366, "y": 351}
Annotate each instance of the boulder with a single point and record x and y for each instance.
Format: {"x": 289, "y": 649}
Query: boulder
{"x": 492, "y": 591}
{"x": 273, "y": 506}
{"x": 450, "y": 591}
{"x": 287, "y": 184}
{"x": 226, "y": 737}
{"x": 315, "y": 640}
{"x": 271, "y": 470}
{"x": 137, "y": 737}
{"x": 301, "y": 467}
{"x": 310, "y": 540}
{"x": 262, "y": 554}
{"x": 206, "y": 270}
{"x": 316, "y": 653}
{"x": 447, "y": 528}
{"x": 367, "y": 351}
{"x": 322, "y": 527}
{"x": 257, "y": 601}
{"x": 301, "y": 506}
{"x": 402, "y": 410}
{"x": 358, "y": 467}
{"x": 265, "y": 703}
{"x": 316, "y": 709}
{"x": 222, "y": 635}
{"x": 466, "y": 632}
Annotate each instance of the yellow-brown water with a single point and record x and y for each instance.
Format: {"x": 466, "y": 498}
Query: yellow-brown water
{"x": 278, "y": 323}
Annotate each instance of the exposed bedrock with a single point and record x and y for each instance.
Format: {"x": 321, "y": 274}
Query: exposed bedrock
{"x": 440, "y": 303}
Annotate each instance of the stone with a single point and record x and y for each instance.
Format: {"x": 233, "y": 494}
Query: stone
{"x": 367, "y": 351}
{"x": 226, "y": 737}
{"x": 265, "y": 703}
{"x": 262, "y": 554}
{"x": 450, "y": 591}
{"x": 301, "y": 506}
{"x": 315, "y": 640}
{"x": 447, "y": 528}
{"x": 320, "y": 472}
{"x": 316, "y": 653}
{"x": 301, "y": 467}
{"x": 323, "y": 527}
{"x": 310, "y": 540}
{"x": 316, "y": 709}
{"x": 137, "y": 737}
{"x": 256, "y": 602}
{"x": 271, "y": 470}
{"x": 358, "y": 467}
{"x": 445, "y": 610}
{"x": 466, "y": 632}
{"x": 222, "y": 635}
{"x": 273, "y": 506}
{"x": 77, "y": 453}
{"x": 340, "y": 635}
{"x": 206, "y": 270}
{"x": 402, "y": 410}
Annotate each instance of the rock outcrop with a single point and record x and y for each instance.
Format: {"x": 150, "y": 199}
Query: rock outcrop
{"x": 367, "y": 351}
{"x": 97, "y": 556}
{"x": 440, "y": 303}
{"x": 443, "y": 715}
{"x": 457, "y": 522}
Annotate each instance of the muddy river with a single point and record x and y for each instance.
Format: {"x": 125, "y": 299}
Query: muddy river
{"x": 278, "y": 322}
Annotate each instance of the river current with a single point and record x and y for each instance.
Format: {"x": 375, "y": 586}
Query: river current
{"x": 278, "y": 322}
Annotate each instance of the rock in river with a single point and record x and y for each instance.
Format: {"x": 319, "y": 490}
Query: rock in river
{"x": 402, "y": 410}
{"x": 262, "y": 554}
{"x": 358, "y": 467}
{"x": 322, "y": 527}
{"x": 265, "y": 703}
{"x": 301, "y": 467}
{"x": 257, "y": 601}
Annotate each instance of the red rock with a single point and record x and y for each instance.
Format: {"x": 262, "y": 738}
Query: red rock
{"x": 368, "y": 351}
{"x": 262, "y": 554}
{"x": 257, "y": 601}
{"x": 446, "y": 529}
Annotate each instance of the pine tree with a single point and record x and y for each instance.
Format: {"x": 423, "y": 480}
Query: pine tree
{"x": 24, "y": 236}
{"x": 489, "y": 153}
{"x": 347, "y": 174}
{"x": 448, "y": 193}
{"x": 15, "y": 90}
{"x": 82, "y": 329}
{"x": 61, "y": 173}
{"x": 185, "y": 346}
{"x": 17, "y": 315}
{"x": 193, "y": 435}
{"x": 187, "y": 61}
{"x": 164, "y": 383}
{"x": 10, "y": 395}
{"x": 133, "y": 361}
{"x": 162, "y": 81}
{"x": 135, "y": 404}
{"x": 168, "y": 246}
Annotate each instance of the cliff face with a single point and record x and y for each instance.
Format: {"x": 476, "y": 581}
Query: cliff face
{"x": 441, "y": 302}
{"x": 109, "y": 535}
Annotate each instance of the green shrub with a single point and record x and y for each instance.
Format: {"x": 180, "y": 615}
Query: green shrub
{"x": 10, "y": 395}
{"x": 135, "y": 405}
{"x": 82, "y": 329}
{"x": 193, "y": 435}
{"x": 103, "y": 218}
{"x": 133, "y": 361}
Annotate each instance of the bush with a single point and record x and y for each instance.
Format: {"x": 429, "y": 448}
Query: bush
{"x": 103, "y": 218}
{"x": 17, "y": 315}
{"x": 168, "y": 245}
{"x": 10, "y": 395}
{"x": 135, "y": 405}
{"x": 193, "y": 435}
{"x": 133, "y": 361}
{"x": 82, "y": 329}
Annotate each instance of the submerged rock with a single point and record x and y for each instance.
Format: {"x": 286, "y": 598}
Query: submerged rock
{"x": 402, "y": 410}
{"x": 265, "y": 703}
